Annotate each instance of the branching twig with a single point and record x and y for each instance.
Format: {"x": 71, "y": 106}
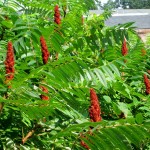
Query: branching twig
{"x": 30, "y": 133}
{"x": 1, "y": 107}
{"x": 2, "y": 103}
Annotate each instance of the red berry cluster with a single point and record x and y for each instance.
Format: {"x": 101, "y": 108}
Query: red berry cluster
{"x": 94, "y": 110}
{"x": 124, "y": 48}
{"x": 147, "y": 84}
{"x": 45, "y": 90}
{"x": 45, "y": 52}
{"x": 57, "y": 18}
{"x": 84, "y": 145}
{"x": 9, "y": 62}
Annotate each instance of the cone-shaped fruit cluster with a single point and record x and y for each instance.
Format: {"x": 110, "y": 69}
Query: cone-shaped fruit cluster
{"x": 124, "y": 48}
{"x": 94, "y": 110}
{"x": 9, "y": 62}
{"x": 57, "y": 18}
{"x": 147, "y": 84}
{"x": 45, "y": 52}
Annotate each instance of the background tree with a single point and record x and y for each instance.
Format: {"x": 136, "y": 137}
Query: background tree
{"x": 109, "y": 5}
{"x": 133, "y": 4}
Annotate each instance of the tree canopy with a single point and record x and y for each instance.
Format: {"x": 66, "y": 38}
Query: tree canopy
{"x": 131, "y": 4}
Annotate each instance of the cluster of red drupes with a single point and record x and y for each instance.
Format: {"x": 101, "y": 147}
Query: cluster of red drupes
{"x": 94, "y": 112}
{"x": 45, "y": 52}
{"x": 9, "y": 62}
{"x": 124, "y": 48}
{"x": 147, "y": 84}
{"x": 57, "y": 18}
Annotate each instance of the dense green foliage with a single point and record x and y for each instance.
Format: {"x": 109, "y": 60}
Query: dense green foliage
{"x": 89, "y": 56}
